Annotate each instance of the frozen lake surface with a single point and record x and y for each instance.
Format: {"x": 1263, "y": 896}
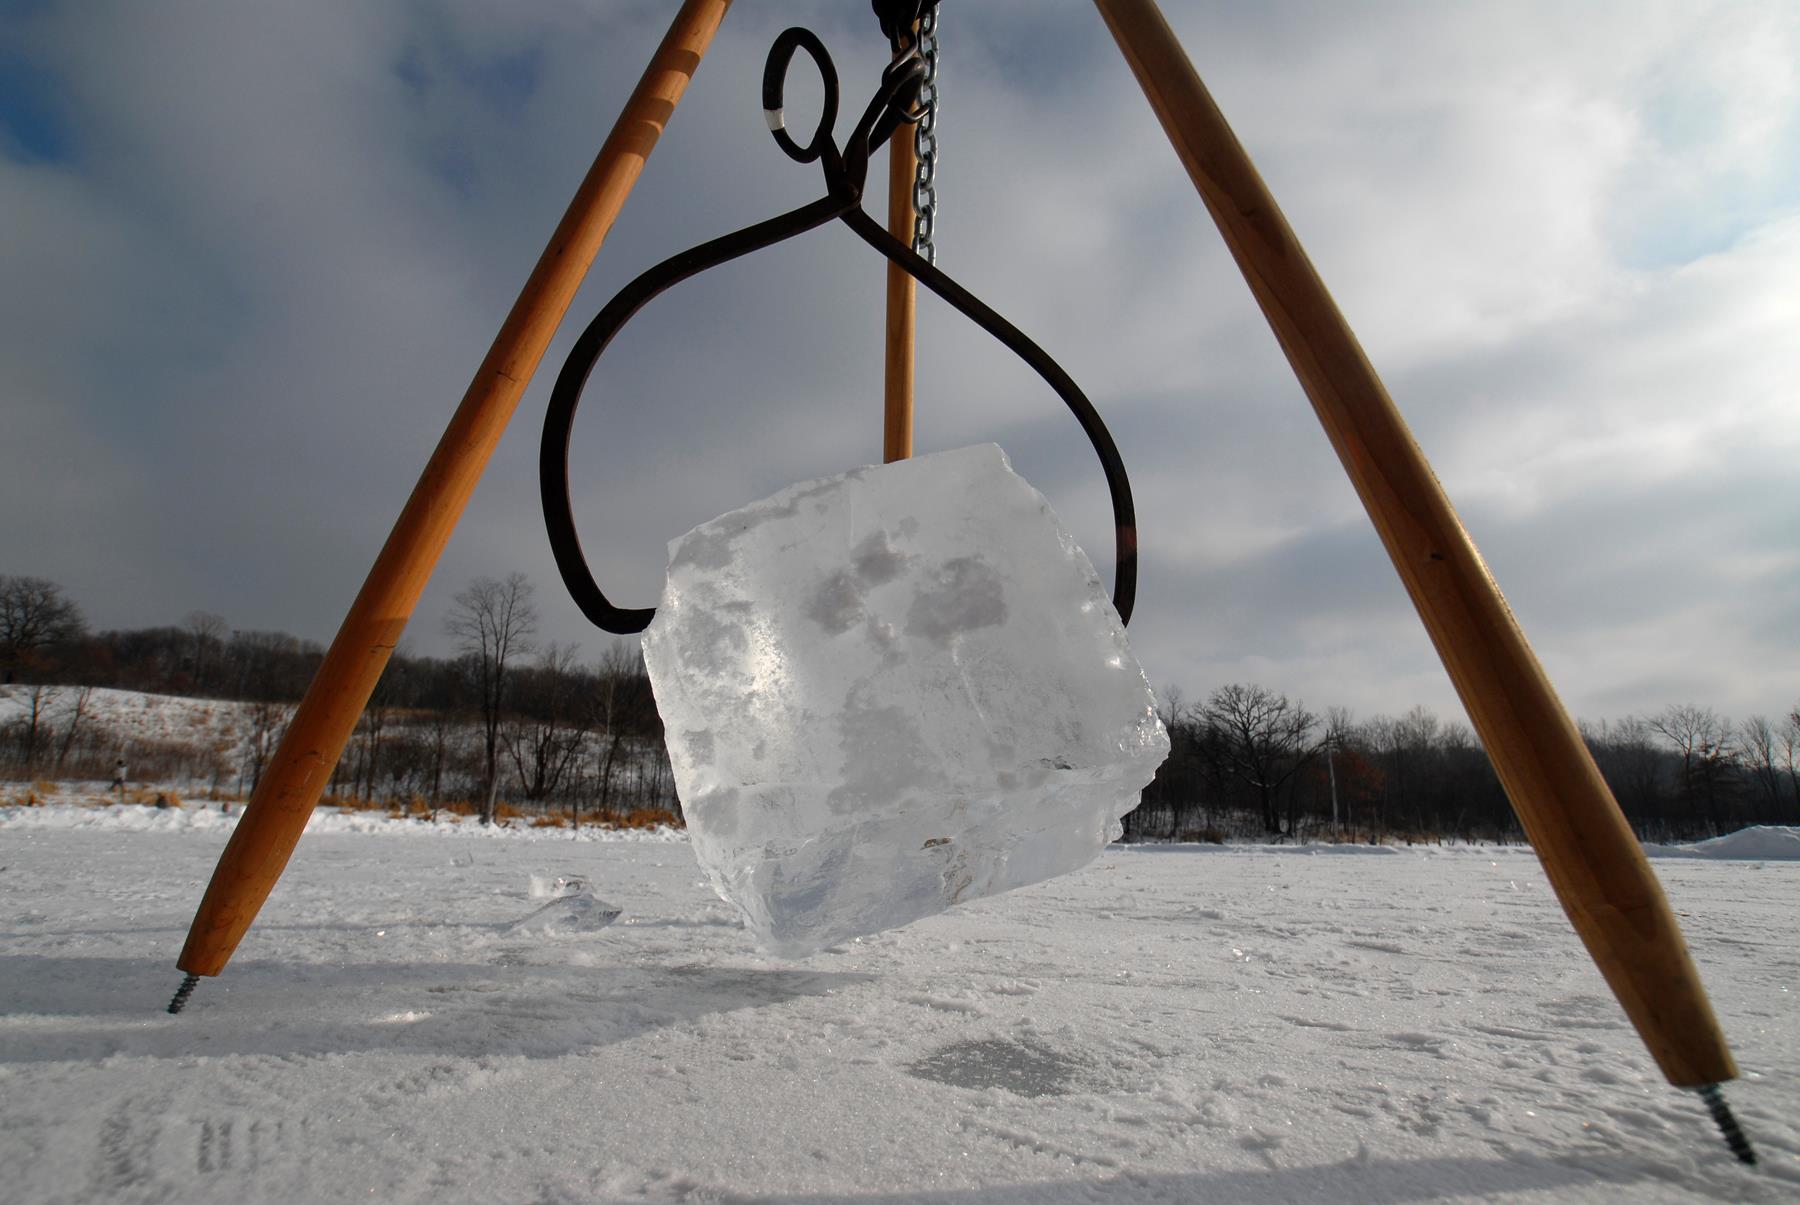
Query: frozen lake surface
{"x": 1167, "y": 1024}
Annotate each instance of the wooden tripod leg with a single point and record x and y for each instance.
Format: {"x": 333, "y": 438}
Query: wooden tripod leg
{"x": 290, "y": 789}
{"x": 1594, "y": 862}
{"x": 902, "y": 304}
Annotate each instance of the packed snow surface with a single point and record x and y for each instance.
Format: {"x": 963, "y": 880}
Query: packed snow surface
{"x": 892, "y": 691}
{"x": 1167, "y": 1024}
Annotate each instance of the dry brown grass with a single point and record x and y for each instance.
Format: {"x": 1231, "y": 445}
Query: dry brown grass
{"x": 645, "y": 818}
{"x": 149, "y": 797}
{"x": 503, "y": 811}
{"x": 637, "y": 818}
{"x": 354, "y": 803}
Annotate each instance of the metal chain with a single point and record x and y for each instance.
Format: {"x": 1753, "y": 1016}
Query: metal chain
{"x": 925, "y": 141}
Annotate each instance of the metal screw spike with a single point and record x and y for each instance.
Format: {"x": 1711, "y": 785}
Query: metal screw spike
{"x": 187, "y": 989}
{"x": 1714, "y": 1096}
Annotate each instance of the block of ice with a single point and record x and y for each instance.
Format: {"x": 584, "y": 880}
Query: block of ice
{"x": 892, "y": 691}
{"x": 579, "y": 911}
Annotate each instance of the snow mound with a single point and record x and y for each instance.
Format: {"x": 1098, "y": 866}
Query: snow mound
{"x": 1758, "y": 843}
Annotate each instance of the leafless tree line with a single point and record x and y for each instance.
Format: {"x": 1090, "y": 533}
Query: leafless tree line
{"x": 507, "y": 719}
{"x": 1250, "y": 762}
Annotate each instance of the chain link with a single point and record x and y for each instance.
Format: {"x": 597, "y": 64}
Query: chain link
{"x": 925, "y": 142}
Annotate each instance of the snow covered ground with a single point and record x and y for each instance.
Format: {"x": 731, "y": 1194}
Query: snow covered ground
{"x": 1169, "y": 1024}
{"x": 132, "y": 715}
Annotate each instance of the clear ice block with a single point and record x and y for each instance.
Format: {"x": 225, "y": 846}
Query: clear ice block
{"x": 893, "y": 691}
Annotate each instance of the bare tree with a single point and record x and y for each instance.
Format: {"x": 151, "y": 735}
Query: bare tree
{"x": 438, "y": 692}
{"x": 493, "y": 622}
{"x": 1698, "y": 735}
{"x": 1264, "y": 741}
{"x": 371, "y": 726}
{"x": 1406, "y": 751}
{"x": 1759, "y": 743}
{"x": 615, "y": 705}
{"x": 267, "y": 722}
{"x": 33, "y": 616}
{"x": 1338, "y": 727}
{"x": 1361, "y": 784}
{"x": 1690, "y": 729}
{"x": 76, "y": 714}
{"x": 39, "y": 700}
{"x": 268, "y": 666}
{"x": 1179, "y": 801}
{"x": 1632, "y": 765}
{"x": 545, "y": 738}
{"x": 208, "y": 632}
{"x": 1789, "y": 737}
{"x": 440, "y": 727}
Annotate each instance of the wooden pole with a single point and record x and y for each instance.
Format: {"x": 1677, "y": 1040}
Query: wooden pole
{"x": 279, "y": 808}
{"x": 1589, "y": 852}
{"x": 902, "y": 304}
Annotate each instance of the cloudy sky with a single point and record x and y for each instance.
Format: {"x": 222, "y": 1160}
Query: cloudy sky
{"x": 250, "y": 255}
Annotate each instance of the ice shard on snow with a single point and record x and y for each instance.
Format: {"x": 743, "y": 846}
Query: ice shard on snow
{"x": 892, "y": 691}
{"x": 578, "y": 911}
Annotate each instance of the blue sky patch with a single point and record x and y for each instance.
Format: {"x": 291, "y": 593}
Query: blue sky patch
{"x": 504, "y": 82}
{"x": 34, "y": 127}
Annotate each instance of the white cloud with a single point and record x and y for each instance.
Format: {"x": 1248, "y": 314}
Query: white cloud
{"x": 1566, "y": 236}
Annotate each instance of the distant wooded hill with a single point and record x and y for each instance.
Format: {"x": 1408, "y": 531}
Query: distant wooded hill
{"x": 510, "y": 719}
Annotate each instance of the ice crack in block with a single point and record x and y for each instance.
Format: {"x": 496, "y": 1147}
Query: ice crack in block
{"x": 893, "y": 691}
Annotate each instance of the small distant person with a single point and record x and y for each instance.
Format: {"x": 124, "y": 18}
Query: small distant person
{"x": 119, "y": 777}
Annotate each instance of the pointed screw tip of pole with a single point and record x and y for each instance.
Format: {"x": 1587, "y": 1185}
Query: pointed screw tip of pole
{"x": 183, "y": 992}
{"x": 1735, "y": 1138}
